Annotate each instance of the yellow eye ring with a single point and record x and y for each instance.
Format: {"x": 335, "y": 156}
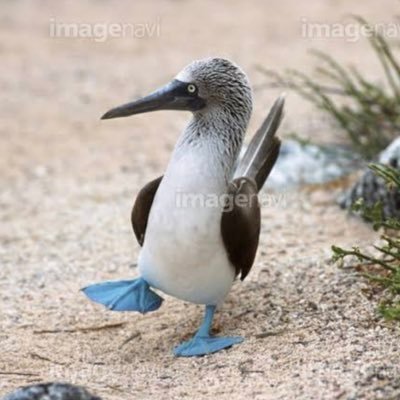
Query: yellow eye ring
{"x": 191, "y": 88}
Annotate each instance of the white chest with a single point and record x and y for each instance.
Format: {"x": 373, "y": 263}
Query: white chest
{"x": 183, "y": 252}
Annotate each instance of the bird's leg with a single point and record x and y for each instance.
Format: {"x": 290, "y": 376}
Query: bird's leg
{"x": 202, "y": 342}
{"x": 129, "y": 295}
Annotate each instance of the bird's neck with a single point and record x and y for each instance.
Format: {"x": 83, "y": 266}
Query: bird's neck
{"x": 218, "y": 135}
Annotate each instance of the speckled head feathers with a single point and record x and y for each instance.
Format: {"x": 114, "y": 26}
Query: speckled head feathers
{"x": 221, "y": 83}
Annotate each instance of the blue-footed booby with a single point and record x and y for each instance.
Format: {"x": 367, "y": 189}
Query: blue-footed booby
{"x": 193, "y": 247}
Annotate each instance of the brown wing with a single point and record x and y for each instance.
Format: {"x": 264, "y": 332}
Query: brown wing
{"x": 240, "y": 224}
{"x": 141, "y": 209}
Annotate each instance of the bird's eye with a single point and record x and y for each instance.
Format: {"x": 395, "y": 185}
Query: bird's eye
{"x": 191, "y": 88}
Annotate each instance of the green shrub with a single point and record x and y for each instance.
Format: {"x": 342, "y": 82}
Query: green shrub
{"x": 384, "y": 267}
{"x": 370, "y": 114}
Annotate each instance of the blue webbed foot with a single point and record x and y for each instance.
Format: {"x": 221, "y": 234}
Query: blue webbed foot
{"x": 129, "y": 295}
{"x": 203, "y": 343}
{"x": 200, "y": 346}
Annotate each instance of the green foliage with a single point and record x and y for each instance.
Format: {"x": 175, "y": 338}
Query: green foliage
{"x": 371, "y": 113}
{"x": 384, "y": 268}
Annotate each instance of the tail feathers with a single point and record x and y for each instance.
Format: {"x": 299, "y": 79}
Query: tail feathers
{"x": 262, "y": 169}
{"x": 263, "y": 149}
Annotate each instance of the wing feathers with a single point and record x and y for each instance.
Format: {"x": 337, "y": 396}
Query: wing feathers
{"x": 240, "y": 224}
{"x": 141, "y": 209}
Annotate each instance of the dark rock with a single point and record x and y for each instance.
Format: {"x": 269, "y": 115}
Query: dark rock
{"x": 373, "y": 188}
{"x": 51, "y": 391}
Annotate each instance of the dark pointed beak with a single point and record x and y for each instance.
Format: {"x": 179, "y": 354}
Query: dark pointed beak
{"x": 173, "y": 96}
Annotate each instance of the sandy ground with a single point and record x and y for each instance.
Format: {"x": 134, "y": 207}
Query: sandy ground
{"x": 68, "y": 182}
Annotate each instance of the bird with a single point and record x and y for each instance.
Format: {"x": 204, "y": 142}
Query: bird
{"x": 198, "y": 225}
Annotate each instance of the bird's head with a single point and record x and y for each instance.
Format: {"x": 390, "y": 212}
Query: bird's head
{"x": 204, "y": 86}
